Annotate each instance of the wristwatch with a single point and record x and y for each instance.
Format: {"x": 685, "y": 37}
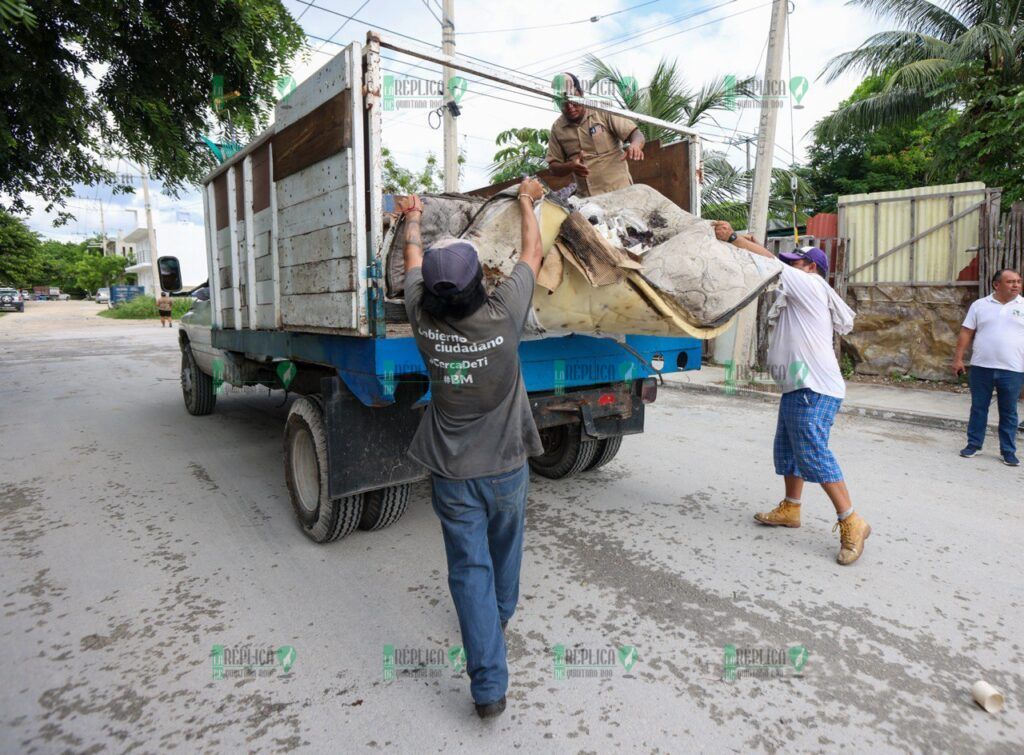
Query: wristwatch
{"x": 732, "y": 237}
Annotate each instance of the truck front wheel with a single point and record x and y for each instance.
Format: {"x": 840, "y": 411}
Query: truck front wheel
{"x": 566, "y": 452}
{"x": 323, "y": 519}
{"x": 196, "y": 385}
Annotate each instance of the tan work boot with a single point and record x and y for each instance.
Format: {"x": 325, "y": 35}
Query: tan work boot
{"x": 786, "y": 514}
{"x": 853, "y": 531}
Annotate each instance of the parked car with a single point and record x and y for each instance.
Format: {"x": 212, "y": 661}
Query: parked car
{"x": 103, "y": 296}
{"x": 11, "y": 300}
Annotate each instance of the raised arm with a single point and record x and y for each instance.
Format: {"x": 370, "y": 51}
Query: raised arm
{"x": 724, "y": 232}
{"x": 530, "y": 192}
{"x": 411, "y": 208}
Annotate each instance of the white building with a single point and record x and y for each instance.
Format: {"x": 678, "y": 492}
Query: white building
{"x": 182, "y": 240}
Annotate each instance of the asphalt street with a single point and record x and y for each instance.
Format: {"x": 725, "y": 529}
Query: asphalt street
{"x": 136, "y": 539}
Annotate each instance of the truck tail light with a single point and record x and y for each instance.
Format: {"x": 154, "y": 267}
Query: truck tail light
{"x": 606, "y": 398}
{"x": 649, "y": 391}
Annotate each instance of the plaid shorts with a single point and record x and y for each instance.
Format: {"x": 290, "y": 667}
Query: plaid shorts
{"x": 801, "y": 436}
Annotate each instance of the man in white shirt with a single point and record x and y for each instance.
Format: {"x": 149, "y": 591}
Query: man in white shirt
{"x": 802, "y": 360}
{"x": 995, "y": 325}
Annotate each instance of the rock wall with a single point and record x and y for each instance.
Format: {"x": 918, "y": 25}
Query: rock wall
{"x": 909, "y": 330}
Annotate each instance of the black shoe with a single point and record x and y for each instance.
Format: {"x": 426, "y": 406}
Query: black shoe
{"x": 1010, "y": 459}
{"x": 490, "y": 710}
{"x": 969, "y": 452}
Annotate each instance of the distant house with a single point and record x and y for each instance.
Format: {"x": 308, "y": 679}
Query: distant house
{"x": 182, "y": 240}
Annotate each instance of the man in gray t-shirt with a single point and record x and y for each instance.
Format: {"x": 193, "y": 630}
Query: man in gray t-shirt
{"x": 478, "y": 429}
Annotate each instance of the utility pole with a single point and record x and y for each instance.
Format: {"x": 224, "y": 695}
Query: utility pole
{"x": 150, "y": 229}
{"x": 103, "y": 233}
{"x": 757, "y": 221}
{"x": 451, "y": 134}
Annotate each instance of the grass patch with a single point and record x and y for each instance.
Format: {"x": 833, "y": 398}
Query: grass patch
{"x": 144, "y": 308}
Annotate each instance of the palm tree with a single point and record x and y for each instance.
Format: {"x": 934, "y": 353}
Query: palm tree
{"x": 724, "y": 189}
{"x": 947, "y": 54}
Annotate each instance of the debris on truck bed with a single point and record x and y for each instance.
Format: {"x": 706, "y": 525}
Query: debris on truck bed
{"x": 626, "y": 262}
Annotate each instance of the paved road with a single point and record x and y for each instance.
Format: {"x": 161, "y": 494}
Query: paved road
{"x": 135, "y": 538}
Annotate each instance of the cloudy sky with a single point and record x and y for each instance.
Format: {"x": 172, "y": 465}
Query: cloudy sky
{"x": 708, "y": 38}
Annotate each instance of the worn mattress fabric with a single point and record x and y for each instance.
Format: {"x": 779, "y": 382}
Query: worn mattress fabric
{"x": 689, "y": 283}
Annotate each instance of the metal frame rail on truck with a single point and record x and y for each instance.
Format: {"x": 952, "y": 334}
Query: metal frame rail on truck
{"x": 294, "y": 226}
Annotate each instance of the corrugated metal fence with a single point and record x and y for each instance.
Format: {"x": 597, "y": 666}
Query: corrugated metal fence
{"x": 914, "y": 236}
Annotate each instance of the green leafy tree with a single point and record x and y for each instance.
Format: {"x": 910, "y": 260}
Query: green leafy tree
{"x": 19, "y": 252}
{"x": 888, "y": 158}
{"x": 94, "y": 271}
{"x": 960, "y": 55}
{"x": 399, "y": 180}
{"x": 522, "y": 152}
{"x": 92, "y": 80}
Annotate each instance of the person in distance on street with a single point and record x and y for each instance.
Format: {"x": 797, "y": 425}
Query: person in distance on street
{"x": 802, "y": 360}
{"x": 995, "y": 327}
{"x": 478, "y": 429}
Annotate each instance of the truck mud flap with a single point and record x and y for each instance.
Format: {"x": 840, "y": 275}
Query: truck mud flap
{"x": 366, "y": 446}
{"x": 602, "y": 413}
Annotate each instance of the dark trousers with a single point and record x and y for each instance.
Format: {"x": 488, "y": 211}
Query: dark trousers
{"x": 482, "y": 521}
{"x": 1007, "y": 385}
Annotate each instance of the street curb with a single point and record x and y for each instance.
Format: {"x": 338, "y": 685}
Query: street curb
{"x": 890, "y": 415}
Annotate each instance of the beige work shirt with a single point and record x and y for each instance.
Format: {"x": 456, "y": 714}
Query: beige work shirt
{"x": 598, "y": 136}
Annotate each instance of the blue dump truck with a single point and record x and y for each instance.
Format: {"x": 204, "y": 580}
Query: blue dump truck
{"x": 296, "y": 252}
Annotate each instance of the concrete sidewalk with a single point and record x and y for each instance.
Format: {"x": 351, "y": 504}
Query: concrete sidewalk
{"x": 915, "y": 406}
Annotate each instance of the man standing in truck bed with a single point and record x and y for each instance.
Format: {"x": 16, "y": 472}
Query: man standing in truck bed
{"x": 478, "y": 429}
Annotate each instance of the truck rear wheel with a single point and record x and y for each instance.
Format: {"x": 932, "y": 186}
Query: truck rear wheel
{"x": 323, "y": 519}
{"x": 607, "y": 448}
{"x": 196, "y": 385}
{"x": 384, "y": 507}
{"x": 566, "y": 452}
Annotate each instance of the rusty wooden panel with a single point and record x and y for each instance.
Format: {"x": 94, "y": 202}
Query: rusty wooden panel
{"x": 318, "y": 135}
{"x": 261, "y": 178}
{"x": 220, "y": 199}
{"x": 665, "y": 169}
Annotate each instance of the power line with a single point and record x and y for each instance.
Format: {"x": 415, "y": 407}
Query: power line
{"x": 363, "y": 21}
{"x": 330, "y": 38}
{"x": 590, "y": 19}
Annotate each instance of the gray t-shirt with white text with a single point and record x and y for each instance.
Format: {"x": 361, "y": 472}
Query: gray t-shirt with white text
{"x": 478, "y": 423}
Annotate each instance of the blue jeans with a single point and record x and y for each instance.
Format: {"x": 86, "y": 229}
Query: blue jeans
{"x": 482, "y": 521}
{"x": 1007, "y": 384}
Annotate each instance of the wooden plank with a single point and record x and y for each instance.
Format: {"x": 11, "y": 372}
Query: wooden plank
{"x": 262, "y": 248}
{"x": 212, "y": 254}
{"x": 220, "y": 205}
{"x": 264, "y": 267}
{"x": 323, "y": 244}
{"x": 274, "y": 241}
{"x": 323, "y": 132}
{"x": 250, "y": 242}
{"x": 325, "y": 83}
{"x": 329, "y": 276}
{"x": 225, "y": 282}
{"x": 261, "y": 178}
{"x": 915, "y": 237}
{"x": 261, "y": 223}
{"x": 236, "y": 302}
{"x": 334, "y": 310}
{"x": 314, "y": 214}
{"x": 323, "y": 177}
{"x": 239, "y": 195}
{"x": 265, "y": 297}
{"x": 357, "y": 203}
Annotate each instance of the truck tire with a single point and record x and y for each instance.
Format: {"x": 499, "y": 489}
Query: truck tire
{"x": 196, "y": 385}
{"x": 606, "y": 451}
{"x": 384, "y": 507}
{"x": 322, "y": 519}
{"x": 565, "y": 452}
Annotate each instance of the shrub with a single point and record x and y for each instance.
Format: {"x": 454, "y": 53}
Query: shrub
{"x": 144, "y": 308}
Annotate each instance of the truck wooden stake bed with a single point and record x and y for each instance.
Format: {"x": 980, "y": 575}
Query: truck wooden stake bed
{"x": 294, "y": 226}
